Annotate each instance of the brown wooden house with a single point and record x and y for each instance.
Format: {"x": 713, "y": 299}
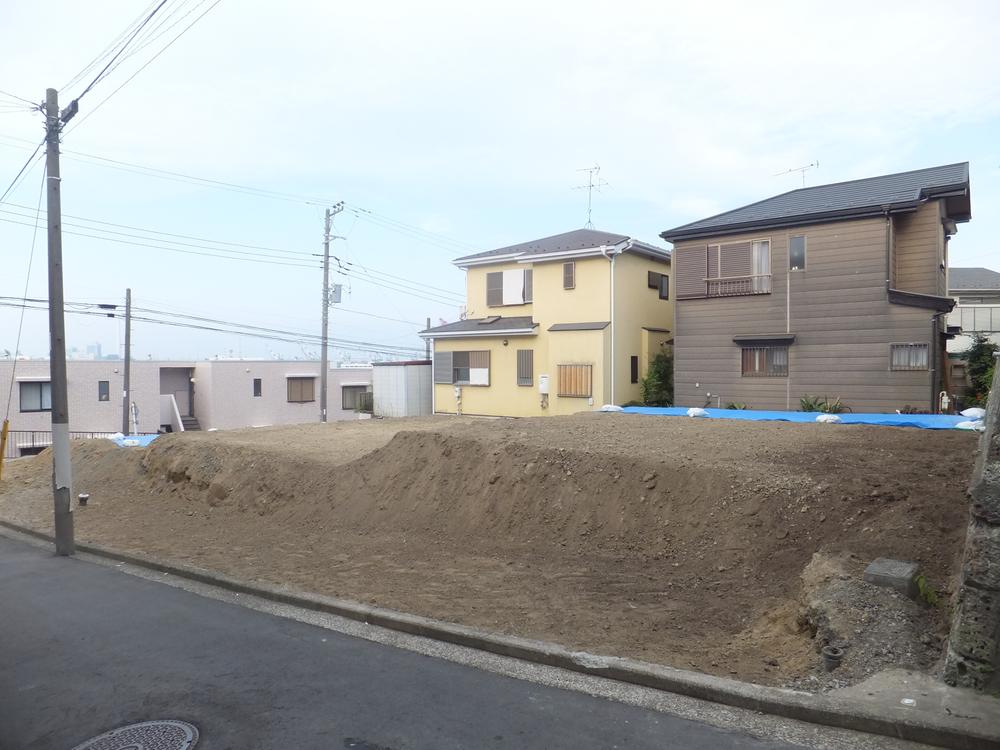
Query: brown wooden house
{"x": 835, "y": 290}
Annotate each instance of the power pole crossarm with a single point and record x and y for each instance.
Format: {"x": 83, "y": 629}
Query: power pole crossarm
{"x": 62, "y": 475}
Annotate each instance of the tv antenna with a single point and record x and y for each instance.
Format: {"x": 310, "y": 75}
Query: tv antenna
{"x": 594, "y": 182}
{"x": 801, "y": 170}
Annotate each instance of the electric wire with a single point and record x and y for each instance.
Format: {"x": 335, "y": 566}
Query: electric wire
{"x": 21, "y": 172}
{"x": 27, "y": 281}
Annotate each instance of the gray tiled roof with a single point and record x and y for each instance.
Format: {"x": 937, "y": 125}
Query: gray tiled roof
{"x": 578, "y": 239}
{"x": 484, "y": 325}
{"x": 972, "y": 278}
{"x": 837, "y": 200}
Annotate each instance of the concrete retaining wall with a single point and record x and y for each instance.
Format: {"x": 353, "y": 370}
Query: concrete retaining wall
{"x": 973, "y": 658}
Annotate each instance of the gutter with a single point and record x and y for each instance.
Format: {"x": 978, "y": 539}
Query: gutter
{"x": 610, "y": 252}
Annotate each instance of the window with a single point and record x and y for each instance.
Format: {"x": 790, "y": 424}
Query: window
{"x": 660, "y": 282}
{"x": 797, "y": 253}
{"x": 513, "y": 287}
{"x": 525, "y": 366}
{"x": 908, "y": 356}
{"x": 103, "y": 390}
{"x": 761, "y": 266}
{"x": 301, "y": 390}
{"x": 351, "y": 396}
{"x": 462, "y": 368}
{"x": 257, "y": 389}
{"x": 664, "y": 286}
{"x": 634, "y": 368}
{"x": 569, "y": 275}
{"x": 36, "y": 396}
{"x": 575, "y": 381}
{"x": 765, "y": 361}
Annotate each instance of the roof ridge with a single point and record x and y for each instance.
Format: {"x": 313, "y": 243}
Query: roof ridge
{"x": 876, "y": 177}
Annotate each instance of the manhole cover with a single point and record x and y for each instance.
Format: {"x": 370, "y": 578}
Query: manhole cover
{"x": 149, "y": 735}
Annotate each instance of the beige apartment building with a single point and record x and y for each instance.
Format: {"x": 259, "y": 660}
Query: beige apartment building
{"x": 836, "y": 290}
{"x": 174, "y": 396}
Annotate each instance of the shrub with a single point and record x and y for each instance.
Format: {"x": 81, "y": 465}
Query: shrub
{"x": 822, "y": 404}
{"x": 658, "y": 385}
{"x": 737, "y": 405}
{"x": 979, "y": 365}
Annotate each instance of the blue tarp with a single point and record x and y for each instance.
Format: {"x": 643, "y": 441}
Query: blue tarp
{"x": 925, "y": 421}
{"x": 133, "y": 441}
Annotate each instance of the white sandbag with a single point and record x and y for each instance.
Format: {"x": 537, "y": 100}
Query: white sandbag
{"x": 828, "y": 419}
{"x": 697, "y": 412}
{"x": 973, "y": 412}
{"x": 971, "y": 424}
{"x": 611, "y": 407}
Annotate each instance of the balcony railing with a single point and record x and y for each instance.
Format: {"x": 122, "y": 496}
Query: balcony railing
{"x": 739, "y": 286}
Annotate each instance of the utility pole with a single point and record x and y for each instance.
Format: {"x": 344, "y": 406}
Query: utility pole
{"x": 427, "y": 342}
{"x": 324, "y": 363}
{"x": 126, "y": 388}
{"x": 62, "y": 474}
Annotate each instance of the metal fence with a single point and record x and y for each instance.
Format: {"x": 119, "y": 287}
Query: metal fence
{"x": 29, "y": 442}
{"x": 366, "y": 402}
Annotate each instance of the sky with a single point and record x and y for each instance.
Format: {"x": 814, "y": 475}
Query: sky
{"x": 446, "y": 128}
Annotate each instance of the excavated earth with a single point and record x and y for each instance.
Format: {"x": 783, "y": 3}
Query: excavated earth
{"x": 666, "y": 539}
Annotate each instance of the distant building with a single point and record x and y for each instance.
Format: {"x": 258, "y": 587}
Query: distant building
{"x": 174, "y": 396}
{"x": 978, "y": 311}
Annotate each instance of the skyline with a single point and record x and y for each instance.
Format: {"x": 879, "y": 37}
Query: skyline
{"x": 468, "y": 126}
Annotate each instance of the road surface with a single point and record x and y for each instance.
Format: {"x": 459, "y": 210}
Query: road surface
{"x": 85, "y": 648}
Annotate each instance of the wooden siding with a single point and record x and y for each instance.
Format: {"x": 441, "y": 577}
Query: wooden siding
{"x": 918, "y": 251}
{"x": 839, "y": 312}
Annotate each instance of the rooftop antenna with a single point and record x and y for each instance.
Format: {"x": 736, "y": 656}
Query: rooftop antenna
{"x": 801, "y": 170}
{"x": 594, "y": 182}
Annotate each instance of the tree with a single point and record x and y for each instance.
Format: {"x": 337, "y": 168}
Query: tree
{"x": 979, "y": 365}
{"x": 658, "y": 385}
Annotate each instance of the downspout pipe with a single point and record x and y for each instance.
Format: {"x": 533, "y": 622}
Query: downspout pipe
{"x": 611, "y": 252}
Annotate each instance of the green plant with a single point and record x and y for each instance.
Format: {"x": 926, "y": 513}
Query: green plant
{"x": 927, "y": 593}
{"x": 913, "y": 410}
{"x": 979, "y": 366}
{"x": 822, "y": 404}
{"x": 632, "y": 403}
{"x": 737, "y": 405}
{"x": 658, "y": 386}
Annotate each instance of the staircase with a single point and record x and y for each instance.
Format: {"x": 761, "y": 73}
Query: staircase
{"x": 190, "y": 423}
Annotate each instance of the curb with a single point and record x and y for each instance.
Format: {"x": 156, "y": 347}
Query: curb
{"x": 901, "y": 723}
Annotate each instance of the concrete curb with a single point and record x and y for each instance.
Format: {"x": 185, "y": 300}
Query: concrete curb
{"x": 902, "y": 723}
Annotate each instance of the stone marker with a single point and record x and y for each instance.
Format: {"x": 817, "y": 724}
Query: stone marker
{"x": 894, "y": 574}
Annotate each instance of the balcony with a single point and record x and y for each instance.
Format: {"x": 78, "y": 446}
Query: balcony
{"x": 976, "y": 318}
{"x": 739, "y": 286}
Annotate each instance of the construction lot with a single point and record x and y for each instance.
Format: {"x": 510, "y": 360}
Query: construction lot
{"x": 735, "y": 548}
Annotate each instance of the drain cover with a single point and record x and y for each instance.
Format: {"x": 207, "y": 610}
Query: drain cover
{"x": 149, "y": 735}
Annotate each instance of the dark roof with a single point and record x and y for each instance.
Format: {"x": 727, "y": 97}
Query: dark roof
{"x": 840, "y": 200}
{"x": 765, "y": 338}
{"x": 484, "y": 325}
{"x": 972, "y": 278}
{"x": 403, "y": 363}
{"x": 578, "y": 239}
{"x": 596, "y": 326}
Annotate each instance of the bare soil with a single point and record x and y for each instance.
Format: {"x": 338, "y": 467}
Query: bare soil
{"x": 670, "y": 540}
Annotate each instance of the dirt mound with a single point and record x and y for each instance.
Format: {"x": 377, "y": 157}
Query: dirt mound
{"x": 663, "y": 539}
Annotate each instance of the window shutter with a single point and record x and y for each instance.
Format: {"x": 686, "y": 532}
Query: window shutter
{"x": 442, "y": 367}
{"x": 494, "y": 289}
{"x": 479, "y": 368}
{"x": 525, "y": 366}
{"x": 652, "y": 279}
{"x": 528, "y": 288}
{"x": 712, "y": 261}
{"x": 734, "y": 259}
{"x": 569, "y": 275}
{"x": 690, "y": 270}
{"x": 575, "y": 381}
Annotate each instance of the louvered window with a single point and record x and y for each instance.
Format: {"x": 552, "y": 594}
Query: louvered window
{"x": 525, "y": 366}
{"x": 569, "y": 275}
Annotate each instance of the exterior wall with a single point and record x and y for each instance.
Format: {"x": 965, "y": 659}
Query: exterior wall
{"x": 585, "y": 348}
{"x": 919, "y": 251}
{"x": 224, "y": 393}
{"x": 86, "y": 413}
{"x": 503, "y": 397}
{"x": 588, "y": 301}
{"x": 839, "y": 312}
{"x": 475, "y": 295}
{"x": 176, "y": 382}
{"x": 636, "y": 306}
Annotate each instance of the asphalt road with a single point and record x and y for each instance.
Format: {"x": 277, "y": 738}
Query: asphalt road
{"x": 85, "y": 649}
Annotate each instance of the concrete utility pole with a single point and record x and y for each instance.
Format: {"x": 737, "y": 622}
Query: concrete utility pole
{"x": 324, "y": 356}
{"x": 62, "y": 474}
{"x": 126, "y": 387}
{"x": 427, "y": 342}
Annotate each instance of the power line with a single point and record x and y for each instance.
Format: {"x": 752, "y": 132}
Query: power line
{"x": 34, "y": 105}
{"x": 163, "y": 49}
{"x": 21, "y": 172}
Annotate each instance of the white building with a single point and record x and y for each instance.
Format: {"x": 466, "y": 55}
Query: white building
{"x": 402, "y": 389}
{"x": 214, "y": 394}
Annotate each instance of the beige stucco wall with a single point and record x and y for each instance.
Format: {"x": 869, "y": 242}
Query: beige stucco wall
{"x": 475, "y": 284}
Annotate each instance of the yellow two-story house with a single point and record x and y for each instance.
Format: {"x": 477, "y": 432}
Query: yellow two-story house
{"x": 554, "y": 326}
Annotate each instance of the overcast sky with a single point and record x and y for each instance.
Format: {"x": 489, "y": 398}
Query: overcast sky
{"x": 469, "y": 121}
